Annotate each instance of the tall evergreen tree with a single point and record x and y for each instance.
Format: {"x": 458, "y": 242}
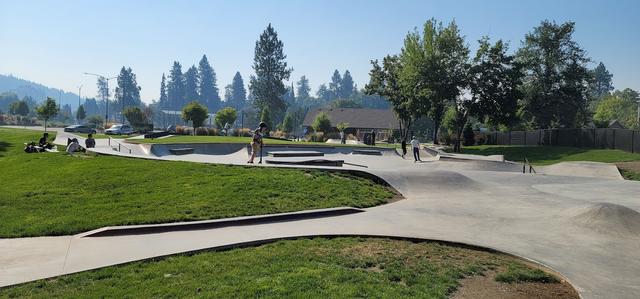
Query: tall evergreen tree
{"x": 238, "y": 92}
{"x": 127, "y": 91}
{"x": 163, "y": 93}
{"x": 271, "y": 70}
{"x": 191, "y": 85}
{"x": 228, "y": 95}
{"x": 303, "y": 89}
{"x": 208, "y": 88}
{"x": 175, "y": 88}
{"x": 602, "y": 82}
{"x": 324, "y": 94}
{"x": 346, "y": 86}
{"x": 335, "y": 86}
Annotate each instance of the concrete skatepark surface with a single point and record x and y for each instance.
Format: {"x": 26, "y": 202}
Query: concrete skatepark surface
{"x": 583, "y": 223}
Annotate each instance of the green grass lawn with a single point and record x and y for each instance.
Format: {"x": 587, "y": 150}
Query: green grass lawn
{"x": 303, "y": 268}
{"x": 55, "y": 194}
{"x": 545, "y": 155}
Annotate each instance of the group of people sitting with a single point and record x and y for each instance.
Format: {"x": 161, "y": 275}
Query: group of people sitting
{"x": 42, "y": 146}
{"x": 73, "y": 145}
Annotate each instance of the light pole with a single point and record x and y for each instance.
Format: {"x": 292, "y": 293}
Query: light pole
{"x": 79, "y": 97}
{"x": 106, "y": 102}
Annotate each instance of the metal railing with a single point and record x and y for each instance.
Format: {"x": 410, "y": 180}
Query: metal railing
{"x": 120, "y": 145}
{"x": 524, "y": 166}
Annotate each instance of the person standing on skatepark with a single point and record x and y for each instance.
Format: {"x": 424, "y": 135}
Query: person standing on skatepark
{"x": 256, "y": 142}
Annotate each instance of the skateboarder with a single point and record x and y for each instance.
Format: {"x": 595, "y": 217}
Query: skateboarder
{"x": 415, "y": 144}
{"x": 256, "y": 142}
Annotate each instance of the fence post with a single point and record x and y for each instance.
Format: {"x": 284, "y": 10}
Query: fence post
{"x": 594, "y": 139}
{"x": 633, "y": 136}
{"x": 525, "y": 137}
{"x": 509, "y": 137}
{"x": 614, "y": 138}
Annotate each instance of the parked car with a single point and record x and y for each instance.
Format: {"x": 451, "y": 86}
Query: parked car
{"x": 80, "y": 129}
{"x": 119, "y": 130}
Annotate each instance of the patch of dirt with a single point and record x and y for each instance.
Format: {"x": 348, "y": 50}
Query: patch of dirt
{"x": 487, "y": 287}
{"x": 629, "y": 166}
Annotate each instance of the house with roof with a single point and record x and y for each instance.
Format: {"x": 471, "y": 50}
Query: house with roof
{"x": 360, "y": 121}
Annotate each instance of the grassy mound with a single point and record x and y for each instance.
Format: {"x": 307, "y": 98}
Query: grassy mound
{"x": 303, "y": 268}
{"x": 55, "y": 194}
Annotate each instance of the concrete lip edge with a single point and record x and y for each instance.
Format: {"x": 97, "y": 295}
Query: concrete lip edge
{"x": 217, "y": 223}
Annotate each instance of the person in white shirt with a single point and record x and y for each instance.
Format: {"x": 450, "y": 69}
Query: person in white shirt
{"x": 415, "y": 144}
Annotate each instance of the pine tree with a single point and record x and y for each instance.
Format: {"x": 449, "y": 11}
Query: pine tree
{"x": 271, "y": 69}
{"x": 346, "y": 86}
{"x": 191, "y": 85}
{"x": 238, "y": 92}
{"x": 175, "y": 88}
{"x": 127, "y": 91}
{"x": 303, "y": 88}
{"x": 335, "y": 85}
{"x": 163, "y": 93}
{"x": 80, "y": 113}
{"x": 208, "y": 88}
{"x": 602, "y": 84}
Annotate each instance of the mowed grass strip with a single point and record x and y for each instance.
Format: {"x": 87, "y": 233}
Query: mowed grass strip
{"x": 546, "y": 155}
{"x": 303, "y": 268}
{"x": 56, "y": 194}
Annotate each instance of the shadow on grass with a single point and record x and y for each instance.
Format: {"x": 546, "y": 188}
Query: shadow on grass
{"x": 4, "y": 146}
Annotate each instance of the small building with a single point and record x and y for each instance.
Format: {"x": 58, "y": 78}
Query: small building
{"x": 361, "y": 120}
{"x": 615, "y": 124}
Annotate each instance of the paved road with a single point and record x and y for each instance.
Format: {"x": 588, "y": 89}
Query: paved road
{"x": 561, "y": 221}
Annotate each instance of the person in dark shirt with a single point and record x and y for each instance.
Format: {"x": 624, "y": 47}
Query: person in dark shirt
{"x": 90, "y": 142}
{"x": 44, "y": 142}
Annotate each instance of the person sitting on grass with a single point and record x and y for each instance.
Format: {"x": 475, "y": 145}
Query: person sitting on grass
{"x": 90, "y": 142}
{"x": 256, "y": 142}
{"x": 44, "y": 142}
{"x": 74, "y": 146}
{"x": 31, "y": 148}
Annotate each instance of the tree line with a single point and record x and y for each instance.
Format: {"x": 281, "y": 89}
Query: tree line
{"x": 546, "y": 83}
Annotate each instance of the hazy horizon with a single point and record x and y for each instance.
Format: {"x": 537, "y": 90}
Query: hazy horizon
{"x": 53, "y": 43}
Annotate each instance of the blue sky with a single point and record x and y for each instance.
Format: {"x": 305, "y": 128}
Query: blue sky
{"x": 54, "y": 42}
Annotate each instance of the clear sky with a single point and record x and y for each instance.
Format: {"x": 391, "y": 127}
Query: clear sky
{"x": 54, "y": 42}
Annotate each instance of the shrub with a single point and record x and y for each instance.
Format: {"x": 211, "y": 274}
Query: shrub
{"x": 213, "y": 131}
{"x": 244, "y": 132}
{"x": 317, "y": 137}
{"x": 279, "y": 134}
{"x": 322, "y": 123}
{"x": 202, "y": 131}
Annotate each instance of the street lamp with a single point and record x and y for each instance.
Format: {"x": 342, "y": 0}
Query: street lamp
{"x": 106, "y": 102}
{"x": 79, "y": 93}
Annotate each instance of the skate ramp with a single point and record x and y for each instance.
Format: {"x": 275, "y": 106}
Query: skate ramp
{"x": 609, "y": 218}
{"x": 582, "y": 169}
{"x": 231, "y": 148}
{"x": 198, "y": 148}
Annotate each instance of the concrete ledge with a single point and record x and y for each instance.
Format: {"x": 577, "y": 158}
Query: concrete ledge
{"x": 216, "y": 223}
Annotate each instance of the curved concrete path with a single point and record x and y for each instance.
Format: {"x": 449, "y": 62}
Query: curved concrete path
{"x": 555, "y": 220}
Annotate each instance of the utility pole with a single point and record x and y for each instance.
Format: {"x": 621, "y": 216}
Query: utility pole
{"x": 79, "y": 92}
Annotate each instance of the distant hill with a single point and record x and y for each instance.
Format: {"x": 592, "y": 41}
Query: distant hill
{"x": 37, "y": 91}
